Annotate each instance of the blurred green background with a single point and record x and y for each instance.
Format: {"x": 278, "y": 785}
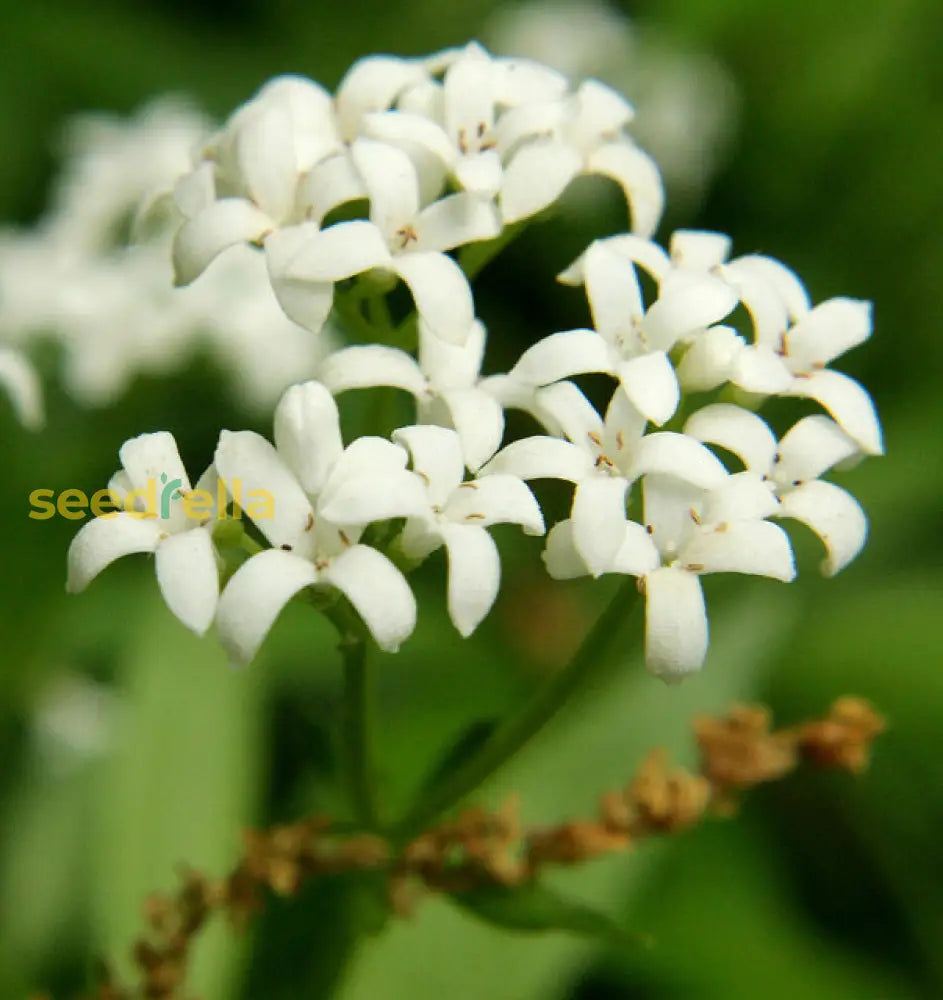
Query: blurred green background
{"x": 127, "y": 747}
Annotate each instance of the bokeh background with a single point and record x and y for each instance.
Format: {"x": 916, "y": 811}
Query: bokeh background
{"x": 127, "y": 747}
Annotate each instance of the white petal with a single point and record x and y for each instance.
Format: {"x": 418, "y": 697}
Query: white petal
{"x": 469, "y": 96}
{"x": 452, "y": 366}
{"x": 441, "y": 292}
{"x": 535, "y": 177}
{"x": 479, "y": 420}
{"x": 710, "y": 360}
{"x": 599, "y": 520}
{"x": 374, "y": 495}
{"x": 571, "y": 352}
{"x": 572, "y": 412}
{"x": 372, "y": 84}
{"x": 848, "y": 402}
{"x": 638, "y": 176}
{"x": 480, "y": 173}
{"x": 496, "y": 499}
{"x": 755, "y": 547}
{"x": 196, "y": 190}
{"x": 330, "y": 183}
{"x": 307, "y": 303}
{"x": 368, "y": 454}
{"x": 456, "y": 220}
{"x": 250, "y": 465}
{"x": 834, "y": 515}
{"x": 266, "y": 157}
{"x": 650, "y": 383}
{"x": 105, "y": 539}
{"x": 525, "y": 81}
{"x": 602, "y": 110}
{"x": 406, "y": 128}
{"x": 758, "y": 368}
{"x": 437, "y": 457}
{"x": 669, "y": 454}
{"x": 391, "y": 182}
{"x": 560, "y": 557}
{"x": 253, "y": 598}
{"x": 637, "y": 553}
{"x": 340, "y": 252}
{"x": 642, "y": 251}
{"x": 20, "y": 380}
{"x": 153, "y": 458}
{"x": 311, "y": 111}
{"x": 612, "y": 288}
{"x": 810, "y": 447}
{"x": 784, "y": 281}
{"x": 307, "y": 434}
{"x": 541, "y": 457}
{"x": 738, "y": 430}
{"x": 828, "y": 331}
{"x": 189, "y": 578}
{"x": 367, "y": 365}
{"x": 743, "y": 496}
{"x": 675, "y": 623}
{"x": 378, "y": 592}
{"x": 686, "y": 303}
{"x": 762, "y": 300}
{"x": 699, "y": 249}
{"x": 667, "y": 502}
{"x": 223, "y": 224}
{"x": 474, "y": 575}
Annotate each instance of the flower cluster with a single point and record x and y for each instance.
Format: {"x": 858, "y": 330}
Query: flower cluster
{"x": 95, "y": 276}
{"x": 345, "y": 195}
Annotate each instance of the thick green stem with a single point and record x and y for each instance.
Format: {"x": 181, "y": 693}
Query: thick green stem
{"x": 514, "y": 734}
{"x": 355, "y": 740}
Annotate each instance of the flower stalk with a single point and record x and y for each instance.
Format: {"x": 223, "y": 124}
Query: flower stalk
{"x": 584, "y": 667}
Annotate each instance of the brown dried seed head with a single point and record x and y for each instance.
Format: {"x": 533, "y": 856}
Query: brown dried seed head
{"x": 740, "y": 751}
{"x": 844, "y": 737}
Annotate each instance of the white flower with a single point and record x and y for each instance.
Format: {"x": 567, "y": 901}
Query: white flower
{"x": 246, "y": 182}
{"x": 458, "y": 515}
{"x": 509, "y": 128}
{"x": 401, "y": 237}
{"x": 444, "y": 381}
{"x": 323, "y": 496}
{"x": 157, "y": 522}
{"x": 793, "y": 343}
{"x": 630, "y": 342}
{"x": 19, "y": 379}
{"x": 688, "y": 532}
{"x": 685, "y": 100}
{"x": 603, "y": 459}
{"x": 791, "y": 469}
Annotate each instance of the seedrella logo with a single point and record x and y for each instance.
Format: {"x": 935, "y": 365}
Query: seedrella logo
{"x": 157, "y": 499}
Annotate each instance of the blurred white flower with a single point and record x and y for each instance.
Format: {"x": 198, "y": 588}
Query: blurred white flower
{"x": 73, "y": 722}
{"x": 21, "y": 383}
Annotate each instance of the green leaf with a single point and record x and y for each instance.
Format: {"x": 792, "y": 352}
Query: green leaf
{"x": 536, "y": 908}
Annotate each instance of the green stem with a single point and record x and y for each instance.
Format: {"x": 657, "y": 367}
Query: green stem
{"x": 513, "y": 735}
{"x": 355, "y": 730}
